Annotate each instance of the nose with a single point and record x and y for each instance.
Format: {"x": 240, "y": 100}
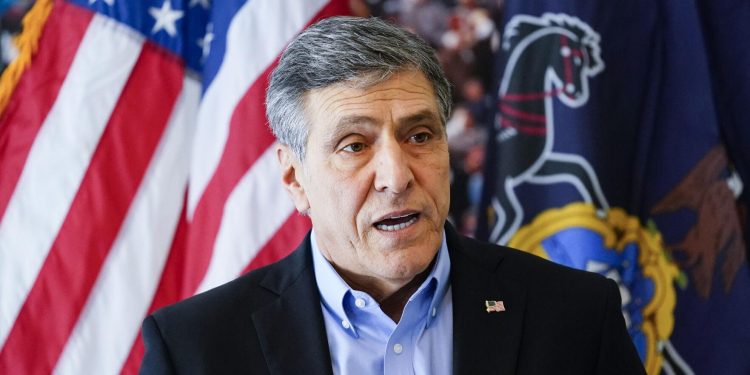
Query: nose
{"x": 392, "y": 169}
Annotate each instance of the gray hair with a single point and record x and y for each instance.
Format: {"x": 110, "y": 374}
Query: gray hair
{"x": 358, "y": 51}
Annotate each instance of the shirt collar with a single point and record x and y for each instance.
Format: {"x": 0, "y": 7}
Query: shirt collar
{"x": 333, "y": 289}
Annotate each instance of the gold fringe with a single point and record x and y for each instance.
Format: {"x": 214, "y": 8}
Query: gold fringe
{"x": 27, "y": 43}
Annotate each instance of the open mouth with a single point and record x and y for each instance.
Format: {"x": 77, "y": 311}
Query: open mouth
{"x": 397, "y": 222}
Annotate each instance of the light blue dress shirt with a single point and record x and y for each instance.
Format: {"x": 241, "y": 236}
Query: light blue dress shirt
{"x": 363, "y": 340}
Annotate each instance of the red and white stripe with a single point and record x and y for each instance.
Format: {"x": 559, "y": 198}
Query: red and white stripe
{"x": 231, "y": 135}
{"x": 122, "y": 190}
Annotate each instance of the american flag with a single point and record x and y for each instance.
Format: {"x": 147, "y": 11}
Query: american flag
{"x": 136, "y": 169}
{"x": 494, "y": 306}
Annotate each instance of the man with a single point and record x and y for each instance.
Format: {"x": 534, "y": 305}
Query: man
{"x": 382, "y": 285}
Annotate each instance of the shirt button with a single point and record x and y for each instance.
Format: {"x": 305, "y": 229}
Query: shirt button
{"x": 360, "y": 303}
{"x": 434, "y": 311}
{"x": 398, "y": 348}
{"x": 345, "y": 324}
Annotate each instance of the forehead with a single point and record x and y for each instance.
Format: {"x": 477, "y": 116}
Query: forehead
{"x": 401, "y": 96}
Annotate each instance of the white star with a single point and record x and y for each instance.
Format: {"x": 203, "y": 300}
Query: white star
{"x": 205, "y": 42}
{"x": 204, "y": 3}
{"x": 165, "y": 18}
{"x": 109, "y": 2}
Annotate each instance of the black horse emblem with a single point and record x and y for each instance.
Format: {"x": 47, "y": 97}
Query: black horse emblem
{"x": 550, "y": 57}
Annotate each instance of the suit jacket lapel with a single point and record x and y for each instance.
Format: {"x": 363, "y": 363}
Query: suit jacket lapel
{"x": 291, "y": 330}
{"x": 483, "y": 342}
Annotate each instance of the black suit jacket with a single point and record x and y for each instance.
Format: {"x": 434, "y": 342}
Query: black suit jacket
{"x": 557, "y": 320}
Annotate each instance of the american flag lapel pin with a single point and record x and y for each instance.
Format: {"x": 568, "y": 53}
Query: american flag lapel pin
{"x": 494, "y": 306}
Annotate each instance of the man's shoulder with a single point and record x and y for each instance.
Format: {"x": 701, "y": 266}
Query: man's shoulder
{"x": 548, "y": 304}
{"x": 224, "y": 329}
{"x": 573, "y": 301}
{"x": 239, "y": 297}
{"x": 534, "y": 272}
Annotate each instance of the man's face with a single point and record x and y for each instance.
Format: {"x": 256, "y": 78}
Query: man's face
{"x": 375, "y": 178}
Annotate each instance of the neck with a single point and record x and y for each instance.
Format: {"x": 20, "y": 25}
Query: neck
{"x": 393, "y": 305}
{"x": 392, "y": 296}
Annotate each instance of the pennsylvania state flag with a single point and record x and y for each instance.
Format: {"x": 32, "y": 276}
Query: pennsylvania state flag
{"x": 621, "y": 146}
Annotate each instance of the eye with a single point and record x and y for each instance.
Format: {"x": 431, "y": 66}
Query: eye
{"x": 420, "y": 137}
{"x": 354, "y": 147}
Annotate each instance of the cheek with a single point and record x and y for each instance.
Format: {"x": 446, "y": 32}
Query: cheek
{"x": 445, "y": 191}
{"x": 435, "y": 173}
{"x": 444, "y": 182}
{"x": 348, "y": 196}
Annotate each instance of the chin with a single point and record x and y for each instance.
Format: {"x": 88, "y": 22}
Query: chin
{"x": 402, "y": 272}
{"x": 412, "y": 262}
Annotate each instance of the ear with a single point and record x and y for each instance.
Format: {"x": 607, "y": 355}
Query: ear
{"x": 292, "y": 176}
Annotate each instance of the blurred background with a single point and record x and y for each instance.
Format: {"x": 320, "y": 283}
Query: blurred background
{"x": 10, "y": 25}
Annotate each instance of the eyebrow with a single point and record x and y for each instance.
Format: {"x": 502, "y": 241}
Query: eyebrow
{"x": 354, "y": 120}
{"x": 424, "y": 115}
{"x": 344, "y": 124}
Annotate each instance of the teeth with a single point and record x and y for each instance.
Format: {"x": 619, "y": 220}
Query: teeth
{"x": 391, "y": 228}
